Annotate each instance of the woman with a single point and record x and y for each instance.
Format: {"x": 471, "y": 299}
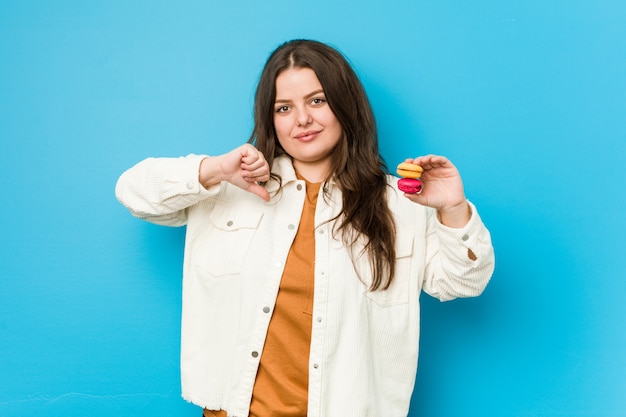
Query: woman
{"x": 303, "y": 262}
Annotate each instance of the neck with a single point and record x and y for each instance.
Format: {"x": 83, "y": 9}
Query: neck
{"x": 313, "y": 173}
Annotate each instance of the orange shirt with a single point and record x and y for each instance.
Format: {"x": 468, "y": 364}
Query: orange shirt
{"x": 281, "y": 385}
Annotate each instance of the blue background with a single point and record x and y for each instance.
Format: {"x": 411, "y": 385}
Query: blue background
{"x": 528, "y": 98}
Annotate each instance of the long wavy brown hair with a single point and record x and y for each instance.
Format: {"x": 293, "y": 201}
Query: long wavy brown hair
{"x": 357, "y": 166}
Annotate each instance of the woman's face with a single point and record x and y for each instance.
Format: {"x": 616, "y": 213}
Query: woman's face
{"x": 305, "y": 125}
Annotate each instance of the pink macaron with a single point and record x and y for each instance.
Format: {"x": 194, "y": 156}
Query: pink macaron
{"x": 410, "y": 185}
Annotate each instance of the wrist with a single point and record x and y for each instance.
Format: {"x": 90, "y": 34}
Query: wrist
{"x": 209, "y": 172}
{"x": 456, "y": 216}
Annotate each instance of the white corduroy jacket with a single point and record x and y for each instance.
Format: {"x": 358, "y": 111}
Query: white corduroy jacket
{"x": 364, "y": 345}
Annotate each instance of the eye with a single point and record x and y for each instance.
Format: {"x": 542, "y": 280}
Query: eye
{"x": 282, "y": 109}
{"x": 318, "y": 101}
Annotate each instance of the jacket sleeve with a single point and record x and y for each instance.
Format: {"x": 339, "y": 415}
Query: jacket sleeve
{"x": 159, "y": 190}
{"x": 459, "y": 262}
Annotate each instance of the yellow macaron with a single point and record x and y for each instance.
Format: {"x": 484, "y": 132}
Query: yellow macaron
{"x": 408, "y": 170}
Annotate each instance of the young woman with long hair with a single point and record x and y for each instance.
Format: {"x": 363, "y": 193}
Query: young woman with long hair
{"x": 303, "y": 262}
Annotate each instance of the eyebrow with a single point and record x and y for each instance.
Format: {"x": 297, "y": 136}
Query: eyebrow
{"x": 311, "y": 94}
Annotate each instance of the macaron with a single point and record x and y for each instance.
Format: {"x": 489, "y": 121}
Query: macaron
{"x": 410, "y": 182}
{"x": 408, "y": 170}
{"x": 410, "y": 185}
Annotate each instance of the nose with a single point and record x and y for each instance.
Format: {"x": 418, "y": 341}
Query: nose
{"x": 303, "y": 117}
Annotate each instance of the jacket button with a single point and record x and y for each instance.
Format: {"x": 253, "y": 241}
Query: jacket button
{"x": 255, "y": 354}
{"x": 266, "y": 309}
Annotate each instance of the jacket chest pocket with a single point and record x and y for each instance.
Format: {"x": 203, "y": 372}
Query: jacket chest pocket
{"x": 230, "y": 236}
{"x": 398, "y": 291}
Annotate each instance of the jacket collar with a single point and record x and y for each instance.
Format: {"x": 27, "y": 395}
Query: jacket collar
{"x": 283, "y": 166}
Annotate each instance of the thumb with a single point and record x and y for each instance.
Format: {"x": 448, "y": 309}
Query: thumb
{"x": 417, "y": 198}
{"x": 260, "y": 191}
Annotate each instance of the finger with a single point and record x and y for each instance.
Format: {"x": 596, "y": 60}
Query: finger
{"x": 425, "y": 161}
{"x": 432, "y": 161}
{"x": 256, "y": 168}
{"x": 250, "y": 154}
{"x": 417, "y": 198}
{"x": 257, "y": 165}
{"x": 259, "y": 190}
{"x": 260, "y": 177}
{"x": 252, "y": 159}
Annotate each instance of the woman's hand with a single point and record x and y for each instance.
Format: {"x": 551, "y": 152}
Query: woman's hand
{"x": 244, "y": 167}
{"x": 442, "y": 190}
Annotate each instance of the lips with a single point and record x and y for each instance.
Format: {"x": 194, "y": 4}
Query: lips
{"x": 308, "y": 135}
